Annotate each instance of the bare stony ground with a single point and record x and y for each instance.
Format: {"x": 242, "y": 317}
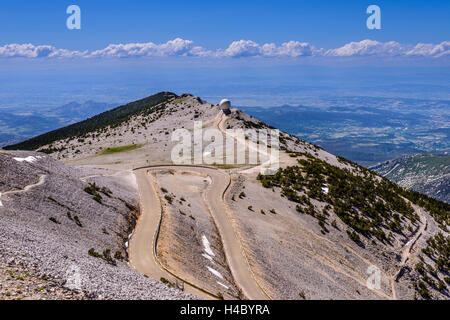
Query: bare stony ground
{"x": 289, "y": 255}
{"x": 22, "y": 283}
{"x": 52, "y": 226}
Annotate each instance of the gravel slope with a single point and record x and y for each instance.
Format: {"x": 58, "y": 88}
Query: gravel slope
{"x": 39, "y": 229}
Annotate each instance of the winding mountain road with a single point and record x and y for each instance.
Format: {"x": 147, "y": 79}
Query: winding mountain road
{"x": 143, "y": 243}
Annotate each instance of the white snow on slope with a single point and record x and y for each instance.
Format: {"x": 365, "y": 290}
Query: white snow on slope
{"x": 215, "y": 272}
{"x": 226, "y": 287}
{"x": 29, "y": 159}
{"x": 207, "y": 246}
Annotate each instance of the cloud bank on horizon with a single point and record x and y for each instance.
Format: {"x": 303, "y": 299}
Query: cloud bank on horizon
{"x": 237, "y": 49}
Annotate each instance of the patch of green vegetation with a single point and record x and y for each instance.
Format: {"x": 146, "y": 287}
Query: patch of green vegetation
{"x": 253, "y": 125}
{"x": 119, "y": 149}
{"x": 77, "y": 221}
{"x": 118, "y": 255}
{"x": 368, "y": 204}
{"x": 54, "y": 220}
{"x": 435, "y": 274}
{"x": 225, "y": 166}
{"x": 95, "y": 190}
{"x": 92, "y": 189}
{"x": 180, "y": 100}
{"x": 302, "y": 295}
{"x": 168, "y": 198}
{"x": 422, "y": 289}
{"x": 167, "y": 282}
{"x": 106, "y": 255}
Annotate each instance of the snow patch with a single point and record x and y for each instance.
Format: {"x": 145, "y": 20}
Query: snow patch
{"x": 215, "y": 272}
{"x": 29, "y": 159}
{"x": 325, "y": 190}
{"x": 226, "y": 287}
{"x": 207, "y": 246}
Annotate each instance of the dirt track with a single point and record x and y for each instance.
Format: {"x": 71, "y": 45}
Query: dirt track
{"x": 142, "y": 248}
{"x": 143, "y": 243}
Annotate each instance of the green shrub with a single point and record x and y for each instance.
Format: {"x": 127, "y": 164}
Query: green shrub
{"x": 54, "y": 220}
{"x": 168, "y": 198}
{"x": 77, "y": 221}
{"x": 118, "y": 255}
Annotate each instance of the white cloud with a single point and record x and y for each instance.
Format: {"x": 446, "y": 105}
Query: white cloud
{"x": 237, "y": 49}
{"x": 248, "y": 48}
{"x": 368, "y": 48}
{"x": 31, "y": 51}
{"x": 242, "y": 48}
{"x": 430, "y": 50}
{"x": 289, "y": 49}
{"x": 176, "y": 47}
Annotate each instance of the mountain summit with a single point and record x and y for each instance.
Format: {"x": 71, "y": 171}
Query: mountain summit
{"x": 320, "y": 227}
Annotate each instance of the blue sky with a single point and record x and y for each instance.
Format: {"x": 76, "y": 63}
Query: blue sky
{"x": 256, "y": 52}
{"x": 215, "y": 24}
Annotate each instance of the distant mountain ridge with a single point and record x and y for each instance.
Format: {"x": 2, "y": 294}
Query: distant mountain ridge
{"x": 366, "y": 130}
{"x": 17, "y": 125}
{"x": 111, "y": 118}
{"x": 75, "y": 111}
{"x": 425, "y": 173}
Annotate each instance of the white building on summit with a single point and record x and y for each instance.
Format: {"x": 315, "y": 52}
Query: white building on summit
{"x": 225, "y": 105}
